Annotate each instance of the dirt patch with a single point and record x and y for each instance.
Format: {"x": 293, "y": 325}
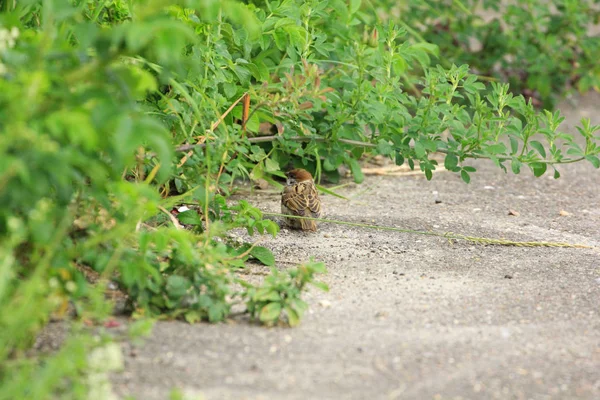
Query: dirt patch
{"x": 416, "y": 317}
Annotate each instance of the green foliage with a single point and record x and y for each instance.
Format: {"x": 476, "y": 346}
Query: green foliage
{"x": 542, "y": 48}
{"x": 280, "y": 296}
{"x": 325, "y": 93}
{"x": 78, "y": 369}
{"x": 114, "y": 113}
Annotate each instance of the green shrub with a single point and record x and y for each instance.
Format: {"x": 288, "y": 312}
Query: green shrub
{"x": 544, "y": 49}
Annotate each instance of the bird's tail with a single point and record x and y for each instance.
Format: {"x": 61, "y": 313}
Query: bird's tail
{"x": 308, "y": 225}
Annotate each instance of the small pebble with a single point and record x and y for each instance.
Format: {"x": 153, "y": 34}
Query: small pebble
{"x": 325, "y": 303}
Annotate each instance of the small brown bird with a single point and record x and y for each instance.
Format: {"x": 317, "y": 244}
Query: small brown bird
{"x": 300, "y": 198}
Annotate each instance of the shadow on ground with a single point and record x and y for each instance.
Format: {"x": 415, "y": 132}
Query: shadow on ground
{"x": 416, "y": 317}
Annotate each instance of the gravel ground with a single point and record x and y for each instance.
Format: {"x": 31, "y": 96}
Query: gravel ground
{"x": 416, "y": 317}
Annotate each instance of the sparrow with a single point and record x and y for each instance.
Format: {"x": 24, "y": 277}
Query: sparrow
{"x": 300, "y": 198}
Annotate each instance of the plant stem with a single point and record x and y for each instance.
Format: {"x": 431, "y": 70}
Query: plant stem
{"x": 272, "y": 138}
{"x": 447, "y": 235}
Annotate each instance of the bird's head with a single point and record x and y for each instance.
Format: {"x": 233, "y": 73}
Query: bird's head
{"x": 298, "y": 175}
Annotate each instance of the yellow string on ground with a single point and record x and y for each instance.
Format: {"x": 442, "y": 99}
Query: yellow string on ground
{"x": 447, "y": 235}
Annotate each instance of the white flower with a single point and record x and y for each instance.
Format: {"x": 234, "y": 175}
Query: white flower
{"x": 7, "y": 38}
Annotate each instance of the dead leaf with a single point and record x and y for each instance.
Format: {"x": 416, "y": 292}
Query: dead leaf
{"x": 261, "y": 184}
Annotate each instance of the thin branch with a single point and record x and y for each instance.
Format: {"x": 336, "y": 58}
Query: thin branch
{"x": 171, "y": 217}
{"x": 262, "y": 139}
{"x": 212, "y": 128}
{"x": 222, "y": 117}
{"x": 245, "y": 110}
{"x": 245, "y": 253}
{"x": 447, "y": 235}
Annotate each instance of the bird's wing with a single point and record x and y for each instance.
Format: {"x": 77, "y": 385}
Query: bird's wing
{"x": 295, "y": 200}
{"x": 312, "y": 200}
{"x": 302, "y": 198}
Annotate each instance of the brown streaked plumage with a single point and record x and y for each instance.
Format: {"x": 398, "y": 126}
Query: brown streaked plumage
{"x": 300, "y": 197}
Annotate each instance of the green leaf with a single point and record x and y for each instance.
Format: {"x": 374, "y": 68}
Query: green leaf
{"x": 400, "y": 65}
{"x": 318, "y": 267}
{"x": 321, "y": 285}
{"x": 594, "y": 160}
{"x": 266, "y": 294}
{"x": 515, "y": 165}
{"x": 258, "y": 171}
{"x": 217, "y": 311}
{"x": 399, "y": 158}
{"x": 419, "y": 150}
{"x": 230, "y": 90}
{"x": 514, "y": 145}
{"x": 420, "y": 55}
{"x": 158, "y": 139}
{"x": 465, "y": 176}
{"x": 177, "y": 286}
{"x": 538, "y": 168}
{"x": 192, "y": 317}
{"x": 384, "y": 147}
{"x": 451, "y": 162}
{"x": 270, "y": 313}
{"x": 259, "y": 71}
{"x": 271, "y": 227}
{"x": 138, "y": 81}
{"x": 253, "y": 123}
{"x": 293, "y": 316}
{"x": 427, "y": 47}
{"x": 189, "y": 217}
{"x": 241, "y": 14}
{"x": 340, "y": 7}
{"x": 575, "y": 150}
{"x": 280, "y": 40}
{"x": 271, "y": 166}
{"x": 498, "y": 148}
{"x": 356, "y": 171}
{"x": 263, "y": 255}
{"x": 539, "y": 147}
{"x": 299, "y": 305}
{"x": 428, "y": 174}
{"x": 297, "y": 35}
{"x": 354, "y": 6}
{"x": 556, "y": 174}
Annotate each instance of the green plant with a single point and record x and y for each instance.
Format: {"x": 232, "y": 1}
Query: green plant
{"x": 73, "y": 124}
{"x": 280, "y": 296}
{"x": 543, "y": 49}
{"x": 326, "y": 103}
{"x": 97, "y": 98}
